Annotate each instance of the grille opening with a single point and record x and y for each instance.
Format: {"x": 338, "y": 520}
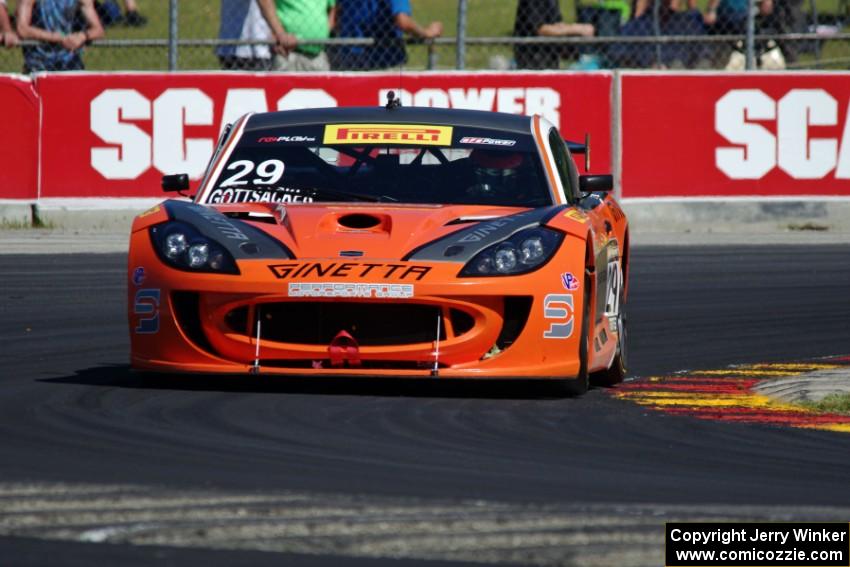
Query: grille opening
{"x": 371, "y": 324}
{"x": 187, "y": 311}
{"x": 516, "y": 312}
{"x": 462, "y": 322}
{"x": 237, "y": 320}
{"x": 358, "y": 221}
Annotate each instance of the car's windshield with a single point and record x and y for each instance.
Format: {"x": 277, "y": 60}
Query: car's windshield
{"x": 390, "y": 163}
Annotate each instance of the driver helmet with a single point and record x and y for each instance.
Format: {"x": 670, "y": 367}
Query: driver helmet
{"x": 496, "y": 171}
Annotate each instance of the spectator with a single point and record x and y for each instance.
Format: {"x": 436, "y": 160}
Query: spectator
{"x": 10, "y": 39}
{"x": 384, "y": 20}
{"x": 132, "y": 16}
{"x": 670, "y": 22}
{"x": 242, "y": 19}
{"x": 789, "y": 18}
{"x": 543, "y": 18}
{"x": 109, "y": 13}
{"x": 730, "y": 17}
{"x": 53, "y": 23}
{"x": 294, "y": 21}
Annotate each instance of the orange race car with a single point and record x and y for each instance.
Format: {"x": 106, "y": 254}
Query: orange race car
{"x": 385, "y": 242}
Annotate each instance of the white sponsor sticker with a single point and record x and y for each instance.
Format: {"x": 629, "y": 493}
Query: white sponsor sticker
{"x": 487, "y": 141}
{"x": 354, "y": 290}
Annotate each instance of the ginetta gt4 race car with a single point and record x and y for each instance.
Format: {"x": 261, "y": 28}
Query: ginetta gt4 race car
{"x": 391, "y": 241}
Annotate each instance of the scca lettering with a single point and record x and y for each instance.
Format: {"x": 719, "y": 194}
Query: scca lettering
{"x": 139, "y": 133}
{"x": 377, "y": 133}
{"x": 366, "y": 290}
{"x": 756, "y": 151}
{"x": 348, "y": 270}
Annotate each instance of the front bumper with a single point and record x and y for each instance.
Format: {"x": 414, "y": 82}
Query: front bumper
{"x": 489, "y": 327}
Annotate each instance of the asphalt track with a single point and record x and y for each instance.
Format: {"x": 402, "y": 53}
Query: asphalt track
{"x": 384, "y": 469}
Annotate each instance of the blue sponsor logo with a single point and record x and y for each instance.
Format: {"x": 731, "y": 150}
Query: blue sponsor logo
{"x": 139, "y": 276}
{"x": 570, "y": 281}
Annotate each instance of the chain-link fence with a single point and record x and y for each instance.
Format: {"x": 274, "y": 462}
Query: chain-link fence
{"x": 321, "y": 35}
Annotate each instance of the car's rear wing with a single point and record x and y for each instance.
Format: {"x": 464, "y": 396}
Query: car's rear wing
{"x": 579, "y": 148}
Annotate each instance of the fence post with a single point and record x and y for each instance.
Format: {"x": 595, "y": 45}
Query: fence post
{"x": 172, "y": 36}
{"x": 656, "y": 30}
{"x": 751, "y": 30}
{"x": 460, "y": 51}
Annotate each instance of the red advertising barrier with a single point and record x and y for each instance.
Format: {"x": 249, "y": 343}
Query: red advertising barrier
{"x": 757, "y": 134}
{"x": 116, "y": 135}
{"x": 19, "y": 143}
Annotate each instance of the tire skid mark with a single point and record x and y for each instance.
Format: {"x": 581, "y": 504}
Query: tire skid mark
{"x": 729, "y": 394}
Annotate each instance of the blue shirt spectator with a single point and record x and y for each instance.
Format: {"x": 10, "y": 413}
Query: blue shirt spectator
{"x": 62, "y": 27}
{"x": 664, "y": 55}
{"x": 385, "y": 21}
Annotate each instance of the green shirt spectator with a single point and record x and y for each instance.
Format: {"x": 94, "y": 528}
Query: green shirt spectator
{"x": 306, "y": 19}
{"x": 294, "y": 22}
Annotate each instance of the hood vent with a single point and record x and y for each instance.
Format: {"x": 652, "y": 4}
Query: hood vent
{"x": 359, "y": 221}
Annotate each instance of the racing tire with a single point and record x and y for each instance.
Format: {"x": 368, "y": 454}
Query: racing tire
{"x": 581, "y": 383}
{"x": 616, "y": 373}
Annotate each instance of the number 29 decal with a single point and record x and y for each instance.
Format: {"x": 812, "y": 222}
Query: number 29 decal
{"x": 558, "y": 307}
{"x": 268, "y": 172}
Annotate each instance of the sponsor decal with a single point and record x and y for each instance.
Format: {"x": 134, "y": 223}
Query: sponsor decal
{"x": 139, "y": 276}
{"x": 614, "y": 279}
{"x": 146, "y": 306}
{"x": 348, "y": 270}
{"x": 487, "y": 141}
{"x": 576, "y": 215}
{"x": 152, "y": 211}
{"x": 481, "y": 232}
{"x": 351, "y": 290}
{"x": 415, "y": 134}
{"x": 570, "y": 281}
{"x": 222, "y": 224}
{"x": 616, "y": 211}
{"x": 278, "y": 139}
{"x": 558, "y": 307}
{"x": 276, "y": 195}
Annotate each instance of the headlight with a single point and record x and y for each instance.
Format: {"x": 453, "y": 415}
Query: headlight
{"x": 523, "y": 252}
{"x": 182, "y": 246}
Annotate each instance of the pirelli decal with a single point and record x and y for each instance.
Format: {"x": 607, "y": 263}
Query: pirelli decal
{"x": 414, "y": 134}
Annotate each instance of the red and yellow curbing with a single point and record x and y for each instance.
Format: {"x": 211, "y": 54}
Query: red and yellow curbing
{"x": 729, "y": 395}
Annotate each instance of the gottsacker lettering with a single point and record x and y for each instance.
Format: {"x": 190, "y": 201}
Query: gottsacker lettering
{"x": 348, "y": 270}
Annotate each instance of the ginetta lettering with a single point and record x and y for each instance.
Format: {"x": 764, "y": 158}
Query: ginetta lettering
{"x": 296, "y": 270}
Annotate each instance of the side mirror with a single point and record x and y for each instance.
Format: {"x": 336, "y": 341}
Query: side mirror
{"x": 177, "y": 182}
{"x": 591, "y": 183}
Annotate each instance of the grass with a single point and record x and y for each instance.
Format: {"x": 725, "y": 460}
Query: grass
{"x": 833, "y": 403}
{"x": 199, "y": 19}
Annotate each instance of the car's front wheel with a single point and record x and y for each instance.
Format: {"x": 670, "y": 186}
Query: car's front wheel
{"x": 617, "y": 371}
